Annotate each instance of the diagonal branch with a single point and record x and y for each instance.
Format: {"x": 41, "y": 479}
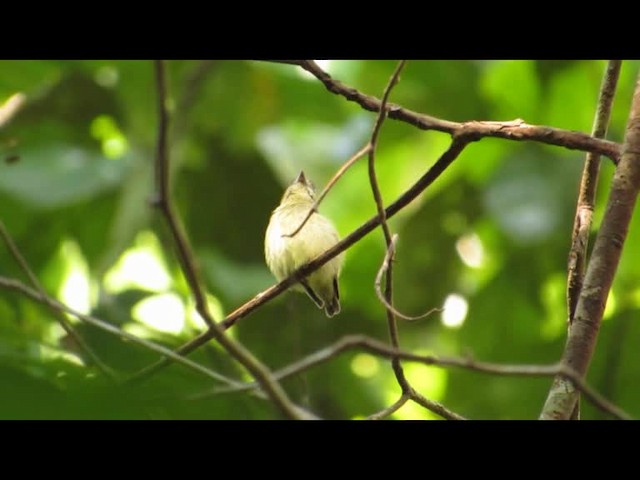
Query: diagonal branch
{"x": 512, "y": 130}
{"x": 64, "y": 323}
{"x": 435, "y": 407}
{"x": 43, "y": 298}
{"x": 603, "y": 263}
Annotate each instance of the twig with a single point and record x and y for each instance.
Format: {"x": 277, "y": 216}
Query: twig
{"x": 378, "y": 285}
{"x": 392, "y": 324}
{"x": 511, "y": 130}
{"x": 64, "y": 323}
{"x": 601, "y": 270}
{"x": 375, "y": 347}
{"x": 391, "y": 409}
{"x": 454, "y": 150}
{"x": 256, "y": 368}
{"x": 377, "y": 197}
{"x": 360, "y": 153}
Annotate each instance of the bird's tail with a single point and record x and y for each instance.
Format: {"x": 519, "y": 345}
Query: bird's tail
{"x": 332, "y": 305}
{"x": 332, "y": 308}
{"x": 327, "y": 299}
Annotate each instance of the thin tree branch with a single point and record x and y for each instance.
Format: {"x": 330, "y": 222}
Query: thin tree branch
{"x": 601, "y": 270}
{"x": 435, "y": 407}
{"x": 511, "y": 130}
{"x": 185, "y": 349}
{"x": 256, "y": 368}
{"x": 375, "y": 347}
{"x": 588, "y": 185}
{"x": 586, "y": 197}
{"x": 64, "y": 323}
{"x": 187, "y": 262}
{"x": 373, "y": 180}
{"x": 391, "y": 409}
{"x": 454, "y": 150}
{"x": 431, "y": 405}
{"x": 377, "y": 196}
{"x": 378, "y": 285}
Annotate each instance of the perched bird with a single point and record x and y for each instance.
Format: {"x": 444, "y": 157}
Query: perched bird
{"x": 284, "y": 253}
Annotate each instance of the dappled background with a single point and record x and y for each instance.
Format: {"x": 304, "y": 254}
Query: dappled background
{"x": 488, "y": 240}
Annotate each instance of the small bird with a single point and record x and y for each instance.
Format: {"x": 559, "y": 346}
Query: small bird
{"x": 284, "y": 253}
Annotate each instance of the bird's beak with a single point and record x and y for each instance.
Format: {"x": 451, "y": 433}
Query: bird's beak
{"x": 301, "y": 178}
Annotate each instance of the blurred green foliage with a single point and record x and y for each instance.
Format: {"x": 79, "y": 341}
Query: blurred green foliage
{"x": 75, "y": 192}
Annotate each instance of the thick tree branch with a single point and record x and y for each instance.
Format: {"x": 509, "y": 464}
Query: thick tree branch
{"x": 586, "y": 197}
{"x": 512, "y": 130}
{"x": 601, "y": 270}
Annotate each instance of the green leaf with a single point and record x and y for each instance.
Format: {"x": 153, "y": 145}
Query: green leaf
{"x": 60, "y": 176}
